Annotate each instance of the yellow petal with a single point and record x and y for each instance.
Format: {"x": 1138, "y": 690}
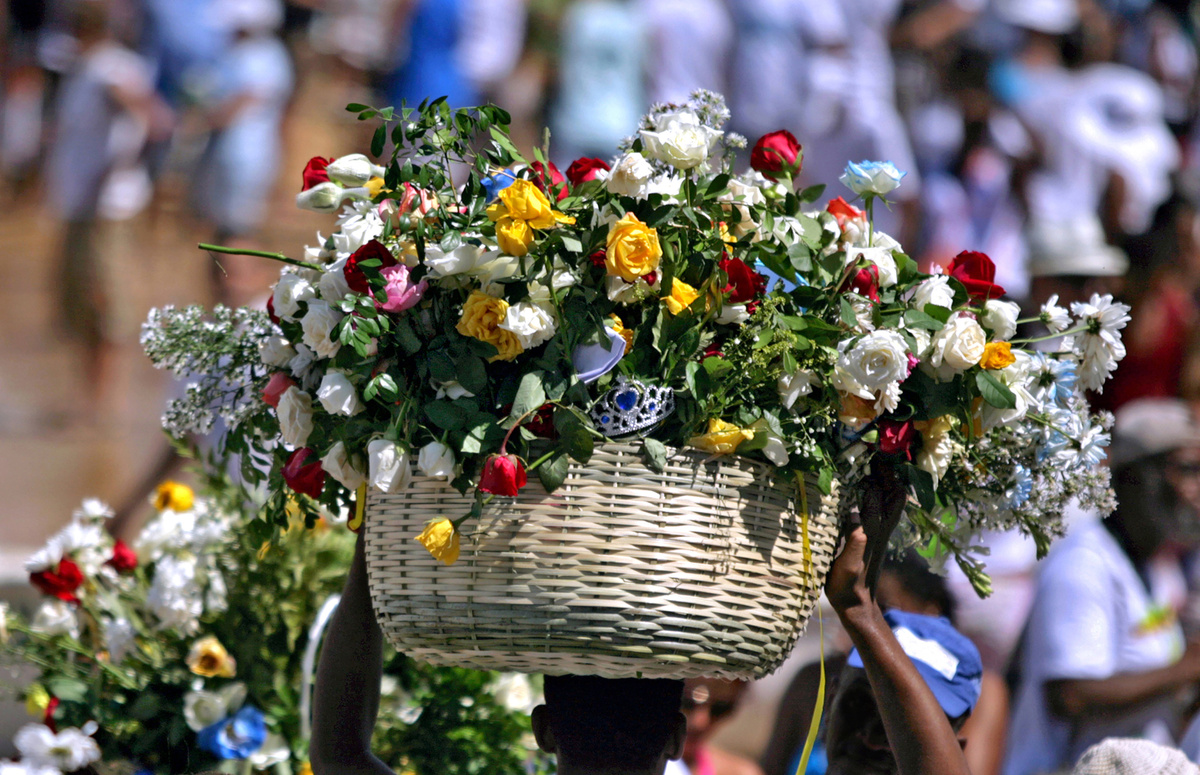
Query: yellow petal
{"x": 441, "y": 538}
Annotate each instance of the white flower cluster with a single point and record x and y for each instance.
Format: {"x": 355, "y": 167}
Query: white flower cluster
{"x": 46, "y": 752}
{"x": 187, "y": 579}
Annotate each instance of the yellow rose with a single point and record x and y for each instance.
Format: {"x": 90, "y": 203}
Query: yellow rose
{"x": 441, "y": 538}
{"x": 682, "y": 296}
{"x": 37, "y": 699}
{"x": 722, "y": 438}
{"x": 625, "y": 333}
{"x": 525, "y": 201}
{"x": 173, "y": 496}
{"x": 209, "y": 658}
{"x": 632, "y": 250}
{"x": 481, "y": 319}
{"x": 514, "y": 236}
{"x": 997, "y": 355}
{"x": 856, "y": 412}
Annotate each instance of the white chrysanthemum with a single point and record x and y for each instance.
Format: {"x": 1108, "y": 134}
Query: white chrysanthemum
{"x": 92, "y": 510}
{"x": 67, "y": 751}
{"x": 46, "y": 558}
{"x": 175, "y": 597}
{"x": 88, "y": 544}
{"x": 1054, "y": 317}
{"x": 358, "y": 224}
{"x": 1099, "y": 346}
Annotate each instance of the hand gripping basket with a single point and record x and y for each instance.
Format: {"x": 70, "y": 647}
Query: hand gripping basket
{"x": 705, "y": 569}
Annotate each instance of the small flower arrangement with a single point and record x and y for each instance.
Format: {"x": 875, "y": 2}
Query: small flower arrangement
{"x": 499, "y": 325}
{"x": 184, "y": 652}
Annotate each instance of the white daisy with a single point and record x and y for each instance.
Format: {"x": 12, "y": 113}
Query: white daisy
{"x": 1053, "y": 316}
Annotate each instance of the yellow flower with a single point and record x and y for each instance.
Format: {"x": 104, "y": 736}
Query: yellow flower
{"x": 173, "y": 496}
{"x": 997, "y": 355}
{"x": 682, "y": 296}
{"x": 723, "y": 230}
{"x": 626, "y": 334}
{"x": 440, "y": 537}
{"x": 305, "y": 769}
{"x": 856, "y": 412}
{"x": 209, "y": 658}
{"x": 632, "y": 250}
{"x": 524, "y": 201}
{"x": 514, "y": 236}
{"x": 37, "y": 699}
{"x": 481, "y": 319}
{"x": 374, "y": 186}
{"x": 722, "y": 438}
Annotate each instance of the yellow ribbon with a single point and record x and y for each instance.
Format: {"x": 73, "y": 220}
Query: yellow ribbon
{"x": 814, "y": 726}
{"x": 360, "y": 506}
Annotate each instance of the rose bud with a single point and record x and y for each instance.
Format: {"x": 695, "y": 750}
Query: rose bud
{"x": 776, "y": 153}
{"x": 843, "y": 211}
{"x": 896, "y": 437}
{"x": 60, "y": 582}
{"x": 557, "y": 185}
{"x": 976, "y": 272}
{"x": 355, "y": 275}
{"x": 441, "y": 539}
{"x": 744, "y": 283}
{"x": 865, "y": 282}
{"x": 585, "y": 169}
{"x": 502, "y": 475}
{"x": 304, "y": 478}
{"x": 277, "y": 385}
{"x": 314, "y": 172}
{"x": 123, "y": 559}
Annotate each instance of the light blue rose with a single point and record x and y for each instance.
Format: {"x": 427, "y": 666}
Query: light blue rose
{"x": 871, "y": 178}
{"x": 236, "y": 736}
{"x": 496, "y": 183}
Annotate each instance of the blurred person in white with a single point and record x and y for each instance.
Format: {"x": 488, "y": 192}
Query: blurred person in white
{"x": 689, "y": 43}
{"x": 600, "y": 96}
{"x": 493, "y": 38}
{"x": 707, "y": 703}
{"x": 1103, "y": 654}
{"x": 107, "y": 87}
{"x": 238, "y": 171}
{"x": 849, "y": 111}
{"x": 767, "y": 68}
{"x": 1070, "y": 260}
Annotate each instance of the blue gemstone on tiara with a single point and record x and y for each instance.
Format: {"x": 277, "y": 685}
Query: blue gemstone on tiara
{"x": 632, "y": 407}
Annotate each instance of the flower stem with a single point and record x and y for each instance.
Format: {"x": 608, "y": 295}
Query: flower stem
{"x": 533, "y": 466}
{"x": 261, "y": 254}
{"x": 1048, "y": 337}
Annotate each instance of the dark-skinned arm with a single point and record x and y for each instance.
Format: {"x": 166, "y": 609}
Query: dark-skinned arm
{"x": 918, "y": 731}
{"x": 1077, "y": 698}
{"x": 346, "y": 695}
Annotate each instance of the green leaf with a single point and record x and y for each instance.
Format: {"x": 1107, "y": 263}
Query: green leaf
{"x": 825, "y": 480}
{"x": 812, "y": 193}
{"x": 846, "y": 311}
{"x": 530, "y": 395}
{"x": 922, "y": 483}
{"x": 407, "y": 337}
{"x": 915, "y": 318}
{"x": 553, "y": 472}
{"x": 571, "y": 245}
{"x": 378, "y": 140}
{"x": 578, "y": 443}
{"x": 654, "y": 452}
{"x": 994, "y": 391}
{"x": 69, "y": 689}
{"x": 445, "y": 414}
{"x": 472, "y": 373}
{"x": 937, "y": 312}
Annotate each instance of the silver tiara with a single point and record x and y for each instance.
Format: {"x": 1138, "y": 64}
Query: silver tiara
{"x": 631, "y": 407}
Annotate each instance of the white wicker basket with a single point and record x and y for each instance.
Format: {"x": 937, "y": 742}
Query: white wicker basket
{"x": 622, "y": 572}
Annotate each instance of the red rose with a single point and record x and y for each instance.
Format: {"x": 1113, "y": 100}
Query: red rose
{"x": 60, "y": 582}
{"x": 712, "y": 351}
{"x": 744, "y": 283}
{"x": 896, "y": 437}
{"x": 271, "y": 310}
{"x": 502, "y": 475}
{"x": 598, "y": 257}
{"x": 865, "y": 282}
{"x": 975, "y": 271}
{"x": 314, "y": 172}
{"x": 304, "y": 478}
{"x": 843, "y": 211}
{"x": 48, "y": 716}
{"x": 585, "y": 169}
{"x": 277, "y": 385}
{"x": 558, "y": 184}
{"x": 124, "y": 559}
{"x": 356, "y": 278}
{"x": 775, "y": 153}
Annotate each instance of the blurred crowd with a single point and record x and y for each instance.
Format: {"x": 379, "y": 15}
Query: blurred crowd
{"x": 1060, "y": 137}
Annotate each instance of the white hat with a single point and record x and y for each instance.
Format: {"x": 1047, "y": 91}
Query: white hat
{"x": 1152, "y": 426}
{"x": 1074, "y": 247}
{"x": 250, "y": 15}
{"x": 1127, "y": 756}
{"x": 1053, "y": 17}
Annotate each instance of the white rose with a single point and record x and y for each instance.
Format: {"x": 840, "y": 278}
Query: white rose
{"x": 495, "y": 266}
{"x": 389, "y": 467}
{"x": 631, "y": 293}
{"x": 881, "y": 258}
{"x": 792, "y": 386}
{"x": 666, "y": 185}
{"x": 923, "y": 340}
{"x": 451, "y": 390}
{"x": 274, "y": 750}
{"x": 359, "y": 224}
{"x": 871, "y": 177}
{"x": 630, "y": 175}
{"x": 276, "y": 351}
{"x": 436, "y": 460}
{"x": 318, "y": 324}
{"x": 289, "y": 292}
{"x": 532, "y": 324}
{"x": 295, "y": 416}
{"x": 741, "y": 196}
{"x": 1001, "y": 318}
{"x": 353, "y": 169}
{"x": 957, "y": 347}
{"x": 338, "y": 396}
{"x": 732, "y": 314}
{"x": 45, "y": 751}
{"x": 56, "y": 617}
{"x": 461, "y": 259}
{"x": 337, "y": 464}
{"x": 877, "y": 360}
{"x": 1016, "y": 377}
{"x": 333, "y": 285}
{"x": 936, "y": 291}
{"x": 202, "y": 709}
{"x": 680, "y": 140}
{"x": 936, "y": 449}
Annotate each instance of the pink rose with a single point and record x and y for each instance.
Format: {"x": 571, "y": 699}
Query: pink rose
{"x": 277, "y": 385}
{"x": 402, "y": 293}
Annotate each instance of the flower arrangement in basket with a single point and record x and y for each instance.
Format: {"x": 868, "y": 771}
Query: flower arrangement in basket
{"x": 485, "y": 319}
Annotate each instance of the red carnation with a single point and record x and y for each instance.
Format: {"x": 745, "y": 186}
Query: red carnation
{"x": 744, "y": 283}
{"x": 843, "y": 211}
{"x": 60, "y": 582}
{"x": 123, "y": 559}
{"x": 502, "y": 475}
{"x": 277, "y": 385}
{"x": 585, "y": 169}
{"x": 865, "y": 282}
{"x": 896, "y": 437}
{"x": 356, "y": 278}
{"x": 776, "y": 153}
{"x": 304, "y": 478}
{"x": 314, "y": 172}
{"x": 558, "y": 184}
{"x": 975, "y": 271}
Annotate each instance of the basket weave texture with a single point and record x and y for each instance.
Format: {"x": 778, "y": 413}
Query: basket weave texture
{"x": 621, "y": 572}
